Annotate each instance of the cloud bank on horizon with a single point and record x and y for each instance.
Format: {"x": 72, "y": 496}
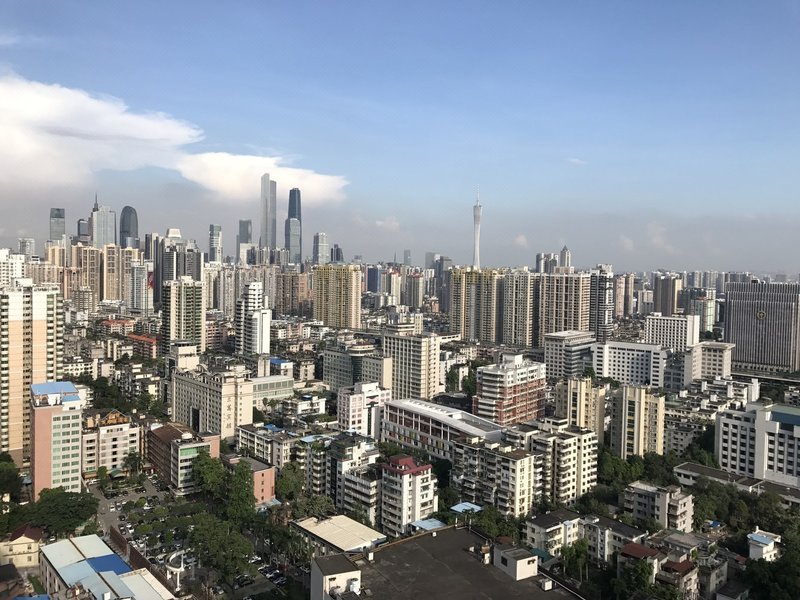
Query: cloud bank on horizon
{"x": 58, "y": 136}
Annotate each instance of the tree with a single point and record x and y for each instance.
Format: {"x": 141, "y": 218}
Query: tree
{"x": 10, "y": 483}
{"x": 575, "y": 558}
{"x": 61, "y": 513}
{"x": 221, "y": 547}
{"x": 103, "y": 477}
{"x": 209, "y": 473}
{"x": 314, "y": 506}
{"x": 290, "y": 482}
{"x": 241, "y": 504}
{"x": 132, "y": 462}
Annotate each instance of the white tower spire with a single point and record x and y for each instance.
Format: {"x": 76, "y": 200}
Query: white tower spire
{"x": 476, "y": 215}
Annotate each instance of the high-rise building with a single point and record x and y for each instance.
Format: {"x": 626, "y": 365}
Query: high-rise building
{"x": 666, "y": 289}
{"x": 337, "y": 254}
{"x": 244, "y": 240}
{"x": 763, "y": 320}
{"x": 408, "y": 494}
{"x": 12, "y": 266}
{"x": 175, "y": 258}
{"x": 56, "y": 427}
{"x": 129, "y": 228}
{"x": 582, "y": 403}
{"x": 475, "y": 304}
{"x": 183, "y": 313}
{"x": 415, "y": 364}
{"x": 337, "y": 295}
{"x": 103, "y": 225}
{"x": 321, "y": 253}
{"x": 476, "y": 243}
{"x": 252, "y": 321}
{"x": 564, "y": 302}
{"x": 676, "y": 333}
{"x": 359, "y": 408}
{"x": 83, "y": 232}
{"x": 269, "y": 213}
{"x": 295, "y": 212}
{"x": 637, "y": 421}
{"x": 601, "y": 301}
{"x": 565, "y": 257}
{"x": 26, "y": 247}
{"x": 215, "y": 254}
{"x": 510, "y": 391}
{"x": 407, "y": 257}
{"x": 520, "y": 291}
{"x": 568, "y": 353}
{"x": 293, "y": 235}
{"x": 630, "y": 362}
{"x": 58, "y": 225}
{"x": 31, "y": 338}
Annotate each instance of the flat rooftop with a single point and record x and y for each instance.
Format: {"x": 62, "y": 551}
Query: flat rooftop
{"x": 341, "y": 532}
{"x": 441, "y": 567}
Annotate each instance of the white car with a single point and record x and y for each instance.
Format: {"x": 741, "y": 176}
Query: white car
{"x": 112, "y": 508}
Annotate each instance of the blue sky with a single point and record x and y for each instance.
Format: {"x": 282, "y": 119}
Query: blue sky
{"x": 643, "y": 134}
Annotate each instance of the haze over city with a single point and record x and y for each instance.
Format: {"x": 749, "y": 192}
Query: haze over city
{"x": 641, "y": 135}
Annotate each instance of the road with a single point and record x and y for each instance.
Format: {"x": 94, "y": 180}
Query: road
{"x": 110, "y": 519}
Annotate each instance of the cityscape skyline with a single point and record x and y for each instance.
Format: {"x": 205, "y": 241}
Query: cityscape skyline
{"x": 666, "y": 160}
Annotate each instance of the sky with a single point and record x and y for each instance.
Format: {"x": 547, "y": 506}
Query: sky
{"x": 642, "y": 134}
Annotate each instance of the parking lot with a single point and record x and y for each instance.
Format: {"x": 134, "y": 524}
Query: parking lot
{"x": 109, "y": 507}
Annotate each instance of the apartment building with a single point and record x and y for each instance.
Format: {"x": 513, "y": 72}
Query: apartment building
{"x": 407, "y": 494}
{"x": 108, "y": 437}
{"x": 172, "y": 449}
{"x": 568, "y": 353}
{"x": 553, "y": 531}
{"x": 676, "y": 332}
{"x": 670, "y": 506}
{"x": 498, "y": 474}
{"x": 415, "y": 364}
{"x": 359, "y": 408}
{"x": 266, "y": 443}
{"x": 348, "y": 360}
{"x": 637, "y": 421}
{"x": 510, "y": 391}
{"x": 582, "y": 403}
{"x": 337, "y": 295}
{"x": 630, "y": 362}
{"x": 432, "y": 428}
{"x": 55, "y": 431}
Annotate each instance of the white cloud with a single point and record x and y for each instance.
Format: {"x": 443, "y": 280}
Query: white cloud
{"x": 8, "y": 39}
{"x": 70, "y": 134}
{"x": 388, "y": 223}
{"x": 520, "y": 241}
{"x": 657, "y": 234}
{"x": 576, "y": 162}
{"x": 626, "y": 243}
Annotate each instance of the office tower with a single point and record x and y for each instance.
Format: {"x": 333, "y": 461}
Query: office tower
{"x": 582, "y": 403}
{"x": 58, "y": 224}
{"x": 56, "y": 426}
{"x": 476, "y": 242}
{"x": 415, "y": 364}
{"x": 269, "y": 213}
{"x": 215, "y": 254}
{"x": 475, "y": 304}
{"x": 601, "y": 302}
{"x": 26, "y": 247}
{"x": 292, "y": 233}
{"x": 430, "y": 259}
{"x": 31, "y": 336}
{"x": 763, "y": 320}
{"x": 321, "y": 252}
{"x": 175, "y": 258}
{"x": 630, "y": 362}
{"x": 295, "y": 212}
{"x": 637, "y": 422}
{"x": 675, "y": 333}
{"x": 565, "y": 258}
{"x": 510, "y": 391}
{"x": 83, "y": 232}
{"x": 564, "y": 301}
{"x": 183, "y": 313}
{"x": 568, "y": 353}
{"x": 337, "y": 295}
{"x": 129, "y": 228}
{"x": 244, "y": 240}
{"x": 666, "y": 289}
{"x": 407, "y": 258}
{"x": 252, "y": 321}
{"x": 103, "y": 225}
{"x": 337, "y": 254}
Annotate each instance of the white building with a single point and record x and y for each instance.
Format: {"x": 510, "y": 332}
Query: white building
{"x": 637, "y": 422}
{"x": 432, "y": 428}
{"x": 715, "y": 359}
{"x": 670, "y": 506}
{"x": 630, "y": 363}
{"x": 408, "y": 494}
{"x": 582, "y": 403}
{"x": 761, "y": 441}
{"x": 108, "y": 438}
{"x": 415, "y": 364}
{"x": 676, "y": 333}
{"x": 510, "y": 391}
{"x": 360, "y": 408}
{"x": 553, "y": 531}
{"x": 763, "y": 545}
{"x": 568, "y": 353}
{"x": 252, "y": 321}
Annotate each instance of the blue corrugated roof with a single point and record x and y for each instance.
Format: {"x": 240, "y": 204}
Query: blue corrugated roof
{"x": 54, "y": 387}
{"x": 279, "y": 361}
{"x": 465, "y": 506}
{"x": 428, "y": 524}
{"x": 111, "y": 562}
{"x": 760, "y": 539}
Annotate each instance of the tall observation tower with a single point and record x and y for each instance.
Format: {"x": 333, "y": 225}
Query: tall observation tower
{"x": 476, "y": 249}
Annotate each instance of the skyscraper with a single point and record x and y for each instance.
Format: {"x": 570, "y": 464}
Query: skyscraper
{"x": 103, "y": 225}
{"x": 31, "y": 335}
{"x": 565, "y": 257}
{"x": 58, "y": 227}
{"x": 337, "y": 254}
{"x": 129, "y": 228}
{"x": 215, "y": 243}
{"x": 337, "y": 295}
{"x": 293, "y": 233}
{"x": 407, "y": 258}
{"x": 244, "y": 239}
{"x": 26, "y": 247}
{"x": 269, "y": 209}
{"x": 321, "y": 253}
{"x": 183, "y": 313}
{"x": 666, "y": 289}
{"x": 295, "y": 212}
{"x": 476, "y": 248}
{"x": 601, "y": 301}
{"x": 83, "y": 231}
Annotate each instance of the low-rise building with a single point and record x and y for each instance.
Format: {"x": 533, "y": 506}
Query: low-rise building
{"x": 763, "y": 545}
{"x": 21, "y": 547}
{"x": 553, "y": 531}
{"x": 266, "y": 443}
{"x": 337, "y": 534}
{"x": 172, "y": 449}
{"x": 263, "y": 477}
{"x": 108, "y": 438}
{"x": 670, "y": 506}
{"x": 606, "y": 537}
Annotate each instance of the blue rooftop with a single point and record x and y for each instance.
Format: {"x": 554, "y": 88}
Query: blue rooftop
{"x": 272, "y": 427}
{"x": 760, "y": 539}
{"x": 463, "y": 507}
{"x": 111, "y": 562}
{"x": 279, "y": 361}
{"x": 54, "y": 387}
{"x": 428, "y": 524}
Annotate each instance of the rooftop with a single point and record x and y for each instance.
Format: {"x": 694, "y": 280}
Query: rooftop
{"x": 441, "y": 567}
{"x": 553, "y": 518}
{"x": 469, "y": 424}
{"x": 335, "y": 564}
{"x": 341, "y": 532}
